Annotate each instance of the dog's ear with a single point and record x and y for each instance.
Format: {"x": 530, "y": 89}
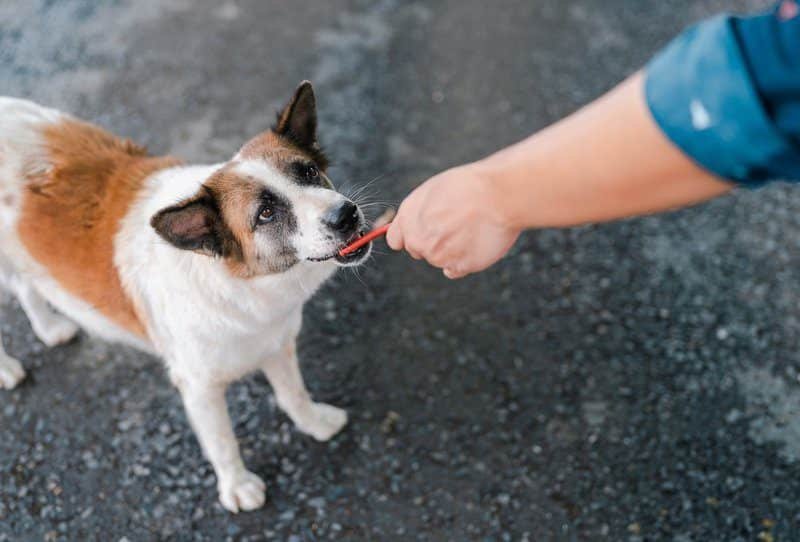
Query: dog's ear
{"x": 195, "y": 224}
{"x": 298, "y": 120}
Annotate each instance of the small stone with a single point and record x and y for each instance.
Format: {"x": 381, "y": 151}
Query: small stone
{"x": 389, "y": 422}
{"x": 124, "y": 425}
{"x": 733, "y": 416}
{"x": 158, "y": 512}
{"x": 89, "y": 460}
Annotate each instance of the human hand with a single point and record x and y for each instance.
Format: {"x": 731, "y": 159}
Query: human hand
{"x": 454, "y": 221}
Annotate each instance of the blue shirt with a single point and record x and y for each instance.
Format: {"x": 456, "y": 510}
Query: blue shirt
{"x": 727, "y": 92}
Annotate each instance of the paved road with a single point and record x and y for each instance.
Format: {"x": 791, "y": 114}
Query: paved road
{"x": 636, "y": 381}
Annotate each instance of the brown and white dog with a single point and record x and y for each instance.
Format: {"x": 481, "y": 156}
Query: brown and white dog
{"x": 207, "y": 267}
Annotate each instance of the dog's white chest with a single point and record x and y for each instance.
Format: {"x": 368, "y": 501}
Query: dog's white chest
{"x": 222, "y": 329}
{"x": 245, "y": 344}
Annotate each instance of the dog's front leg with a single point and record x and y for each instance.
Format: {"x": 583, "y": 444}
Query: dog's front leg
{"x": 239, "y": 489}
{"x": 319, "y": 420}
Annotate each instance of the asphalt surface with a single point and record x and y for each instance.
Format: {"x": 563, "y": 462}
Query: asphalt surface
{"x": 634, "y": 381}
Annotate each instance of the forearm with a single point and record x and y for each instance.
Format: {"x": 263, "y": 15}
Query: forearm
{"x": 607, "y": 161}
{"x": 719, "y": 102}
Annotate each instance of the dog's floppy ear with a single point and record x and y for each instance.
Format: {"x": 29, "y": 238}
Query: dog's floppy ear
{"x": 298, "y": 120}
{"x": 195, "y": 224}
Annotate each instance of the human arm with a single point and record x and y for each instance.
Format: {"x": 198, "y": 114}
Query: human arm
{"x": 720, "y": 102}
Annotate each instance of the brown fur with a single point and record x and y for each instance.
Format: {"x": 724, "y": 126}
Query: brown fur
{"x": 235, "y": 193}
{"x": 75, "y": 197}
{"x": 273, "y": 148}
{"x": 281, "y": 153}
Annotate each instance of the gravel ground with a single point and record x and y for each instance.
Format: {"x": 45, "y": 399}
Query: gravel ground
{"x": 635, "y": 381}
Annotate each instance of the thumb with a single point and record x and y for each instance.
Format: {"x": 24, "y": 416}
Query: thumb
{"x": 453, "y": 273}
{"x": 394, "y": 237}
{"x": 385, "y": 218}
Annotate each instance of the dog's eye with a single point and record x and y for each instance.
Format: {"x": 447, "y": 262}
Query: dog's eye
{"x": 266, "y": 214}
{"x": 305, "y": 172}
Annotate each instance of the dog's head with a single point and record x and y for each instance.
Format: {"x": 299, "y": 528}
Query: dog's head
{"x": 272, "y": 205}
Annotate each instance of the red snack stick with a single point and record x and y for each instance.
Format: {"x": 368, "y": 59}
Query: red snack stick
{"x": 361, "y": 241}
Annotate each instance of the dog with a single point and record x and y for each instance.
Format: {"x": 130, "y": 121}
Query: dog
{"x": 204, "y": 266}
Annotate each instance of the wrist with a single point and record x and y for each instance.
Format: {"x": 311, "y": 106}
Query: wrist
{"x": 502, "y": 198}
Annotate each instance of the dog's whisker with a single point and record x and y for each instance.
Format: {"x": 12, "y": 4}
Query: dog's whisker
{"x": 366, "y": 194}
{"x": 358, "y": 277}
{"x": 375, "y": 204}
{"x": 368, "y": 184}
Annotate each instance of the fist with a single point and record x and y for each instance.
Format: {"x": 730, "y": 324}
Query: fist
{"x": 453, "y": 221}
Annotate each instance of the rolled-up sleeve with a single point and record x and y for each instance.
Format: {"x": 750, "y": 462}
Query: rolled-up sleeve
{"x": 727, "y": 92}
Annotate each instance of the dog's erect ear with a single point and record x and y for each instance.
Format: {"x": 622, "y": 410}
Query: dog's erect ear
{"x": 298, "y": 120}
{"x": 195, "y": 224}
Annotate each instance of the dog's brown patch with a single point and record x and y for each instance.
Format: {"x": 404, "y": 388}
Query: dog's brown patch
{"x": 235, "y": 193}
{"x": 75, "y": 197}
{"x": 274, "y": 149}
{"x": 282, "y": 153}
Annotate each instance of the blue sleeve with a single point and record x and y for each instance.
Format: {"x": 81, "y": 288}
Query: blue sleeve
{"x": 727, "y": 92}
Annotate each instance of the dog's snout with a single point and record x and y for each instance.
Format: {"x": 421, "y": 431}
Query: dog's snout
{"x": 343, "y": 218}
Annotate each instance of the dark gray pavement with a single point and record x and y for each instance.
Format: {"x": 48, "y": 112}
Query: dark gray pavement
{"x": 635, "y": 381}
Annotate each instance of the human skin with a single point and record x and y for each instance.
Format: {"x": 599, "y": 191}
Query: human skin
{"x": 607, "y": 161}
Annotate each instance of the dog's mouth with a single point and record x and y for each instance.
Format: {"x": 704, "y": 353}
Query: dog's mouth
{"x": 351, "y": 257}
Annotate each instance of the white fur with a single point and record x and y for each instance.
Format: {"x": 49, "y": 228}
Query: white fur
{"x": 308, "y": 205}
{"x": 209, "y": 327}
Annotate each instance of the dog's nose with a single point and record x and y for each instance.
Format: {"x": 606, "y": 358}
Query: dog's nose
{"x": 343, "y": 218}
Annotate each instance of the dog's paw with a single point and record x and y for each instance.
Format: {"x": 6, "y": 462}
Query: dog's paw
{"x": 59, "y": 330}
{"x": 244, "y": 491}
{"x": 11, "y": 372}
{"x": 324, "y": 421}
